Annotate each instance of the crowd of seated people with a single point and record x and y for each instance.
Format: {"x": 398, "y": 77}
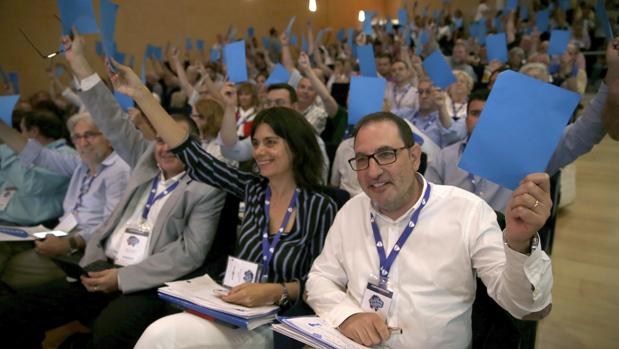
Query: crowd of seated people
{"x": 319, "y": 197}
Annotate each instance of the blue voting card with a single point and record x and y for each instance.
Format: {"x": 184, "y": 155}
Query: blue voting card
{"x": 518, "y": 130}
{"x": 542, "y": 20}
{"x": 511, "y": 6}
{"x": 293, "y": 40}
{"x": 367, "y": 62}
{"x": 367, "y": 23}
{"x": 234, "y": 59}
{"x": 290, "y": 24}
{"x": 602, "y": 15}
{"x": 14, "y": 81}
{"x": 498, "y": 24}
{"x": 351, "y": 34}
{"x": 402, "y": 17}
{"x": 188, "y": 44}
{"x": 108, "y": 11}
{"x": 407, "y": 36}
{"x": 438, "y": 70}
{"x": 458, "y": 22}
{"x": 200, "y": 44}
{"x": 341, "y": 35}
{"x": 154, "y": 52}
{"x": 321, "y": 34}
{"x": 304, "y": 45}
{"x": 7, "y": 104}
{"x": 99, "y": 48}
{"x": 389, "y": 25}
{"x": 365, "y": 97}
{"x": 423, "y": 39}
{"x": 125, "y": 101}
{"x": 78, "y": 13}
{"x": 119, "y": 57}
{"x": 558, "y": 41}
{"x": 214, "y": 54}
{"x": 480, "y": 34}
{"x": 250, "y": 32}
{"x": 523, "y": 12}
{"x": 496, "y": 47}
{"x": 279, "y": 75}
{"x": 266, "y": 43}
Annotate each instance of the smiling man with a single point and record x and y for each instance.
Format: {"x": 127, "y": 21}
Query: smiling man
{"x": 402, "y": 257}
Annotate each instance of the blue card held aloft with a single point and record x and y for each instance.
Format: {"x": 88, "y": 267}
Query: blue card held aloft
{"x": 78, "y": 13}
{"x": 558, "y": 41}
{"x": 279, "y": 75}
{"x": 496, "y": 47}
{"x": 235, "y": 61}
{"x": 438, "y": 70}
{"x": 365, "y": 97}
{"x": 7, "y": 104}
{"x": 108, "y": 11}
{"x": 367, "y": 62}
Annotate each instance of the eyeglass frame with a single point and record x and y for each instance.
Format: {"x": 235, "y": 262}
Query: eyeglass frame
{"x": 373, "y": 156}
{"x": 88, "y": 136}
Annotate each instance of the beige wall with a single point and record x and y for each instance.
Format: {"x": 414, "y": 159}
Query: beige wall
{"x": 161, "y": 21}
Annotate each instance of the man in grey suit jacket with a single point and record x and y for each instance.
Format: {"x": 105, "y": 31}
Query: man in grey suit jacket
{"x": 174, "y": 217}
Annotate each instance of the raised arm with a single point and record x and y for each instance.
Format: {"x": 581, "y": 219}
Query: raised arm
{"x": 287, "y": 61}
{"x": 611, "y": 111}
{"x": 328, "y": 100}
{"x": 11, "y": 137}
{"x": 180, "y": 72}
{"x": 228, "y": 123}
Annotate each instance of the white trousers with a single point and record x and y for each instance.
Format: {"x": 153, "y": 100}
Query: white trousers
{"x": 188, "y": 331}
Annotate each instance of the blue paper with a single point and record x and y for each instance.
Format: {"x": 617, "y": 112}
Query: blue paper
{"x": 214, "y": 54}
{"x": 602, "y": 15}
{"x": 458, "y": 23}
{"x": 367, "y": 62}
{"x": 107, "y": 11}
{"x": 558, "y": 41}
{"x": 14, "y": 81}
{"x": 293, "y": 40}
{"x": 438, "y": 70}
{"x": 496, "y": 47}
{"x": 125, "y": 101}
{"x": 188, "y": 44}
{"x": 367, "y": 23}
{"x": 498, "y": 24}
{"x": 200, "y": 44}
{"x": 320, "y": 34}
{"x": 565, "y": 5}
{"x": 154, "y": 52}
{"x": 351, "y": 34}
{"x": 519, "y": 129}
{"x": 119, "y": 57}
{"x": 279, "y": 75}
{"x": 7, "y": 104}
{"x": 407, "y": 36}
{"x": 542, "y": 20}
{"x": 341, "y": 35}
{"x": 480, "y": 34}
{"x": 389, "y": 26}
{"x": 365, "y": 97}
{"x": 511, "y": 6}
{"x": 289, "y": 27}
{"x": 78, "y": 13}
{"x": 423, "y": 39}
{"x": 524, "y": 12}
{"x": 234, "y": 59}
{"x": 266, "y": 42}
{"x": 250, "y": 32}
{"x": 304, "y": 45}
{"x": 402, "y": 17}
{"x": 99, "y": 48}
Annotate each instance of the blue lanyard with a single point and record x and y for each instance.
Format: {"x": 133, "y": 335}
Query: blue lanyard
{"x": 395, "y": 96}
{"x": 84, "y": 189}
{"x": 269, "y": 249}
{"x": 387, "y": 262}
{"x": 428, "y": 123}
{"x": 152, "y": 198}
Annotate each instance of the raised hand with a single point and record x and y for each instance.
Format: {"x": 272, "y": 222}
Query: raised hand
{"x": 304, "y": 62}
{"x": 228, "y": 95}
{"x": 126, "y": 81}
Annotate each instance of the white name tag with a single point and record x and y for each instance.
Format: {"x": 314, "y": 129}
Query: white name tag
{"x": 239, "y": 272}
{"x": 6, "y": 197}
{"x": 68, "y": 223}
{"x": 134, "y": 246}
{"x": 377, "y": 300}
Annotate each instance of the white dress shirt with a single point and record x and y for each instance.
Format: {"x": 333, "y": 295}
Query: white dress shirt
{"x": 433, "y": 277}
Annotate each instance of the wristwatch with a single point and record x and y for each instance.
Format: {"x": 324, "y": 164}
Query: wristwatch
{"x": 73, "y": 247}
{"x": 283, "y": 300}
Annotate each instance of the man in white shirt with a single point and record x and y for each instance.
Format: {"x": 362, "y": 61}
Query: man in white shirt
{"x": 401, "y": 93}
{"x": 371, "y": 284}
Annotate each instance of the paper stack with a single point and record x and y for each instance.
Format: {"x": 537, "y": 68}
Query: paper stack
{"x": 313, "y": 331}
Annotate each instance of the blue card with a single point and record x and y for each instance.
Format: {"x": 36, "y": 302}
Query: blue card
{"x": 250, "y": 32}
{"x": 321, "y": 34}
{"x": 423, "y": 39}
{"x": 125, "y": 101}
{"x": 511, "y": 6}
{"x": 496, "y": 47}
{"x": 14, "y": 81}
{"x": 7, "y": 104}
{"x": 365, "y": 97}
{"x": 214, "y": 54}
{"x": 304, "y": 45}
{"x": 154, "y": 52}
{"x": 402, "y": 17}
{"x": 293, "y": 40}
{"x": 458, "y": 23}
{"x": 498, "y": 24}
{"x": 279, "y": 75}
{"x": 188, "y": 44}
{"x": 524, "y": 12}
{"x": 438, "y": 70}
{"x": 351, "y": 34}
{"x": 367, "y": 62}
{"x": 341, "y": 35}
{"x": 367, "y": 23}
{"x": 519, "y": 129}
{"x": 558, "y": 41}
{"x": 480, "y": 34}
{"x": 200, "y": 44}
{"x": 290, "y": 24}
{"x": 266, "y": 42}
{"x": 108, "y": 10}
{"x": 78, "y": 13}
{"x": 602, "y": 15}
{"x": 542, "y": 20}
{"x": 234, "y": 59}
{"x": 407, "y": 36}
{"x": 99, "y": 48}
{"x": 119, "y": 57}
{"x": 389, "y": 26}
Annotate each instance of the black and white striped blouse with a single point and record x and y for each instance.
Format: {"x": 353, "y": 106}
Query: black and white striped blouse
{"x": 297, "y": 249}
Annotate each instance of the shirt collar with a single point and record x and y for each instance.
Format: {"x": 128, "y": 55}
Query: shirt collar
{"x": 406, "y": 215}
{"x": 170, "y": 180}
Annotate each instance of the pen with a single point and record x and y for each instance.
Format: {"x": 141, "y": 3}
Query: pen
{"x": 395, "y": 330}
{"x": 14, "y": 232}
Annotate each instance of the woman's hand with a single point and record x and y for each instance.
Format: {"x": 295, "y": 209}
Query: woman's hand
{"x": 254, "y": 294}
{"x": 126, "y": 81}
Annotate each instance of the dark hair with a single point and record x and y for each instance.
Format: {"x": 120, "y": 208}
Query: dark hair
{"x": 289, "y": 124}
{"x": 282, "y": 86}
{"x": 384, "y": 55}
{"x": 480, "y": 94}
{"x": 193, "y": 128}
{"x": 406, "y": 134}
{"x": 49, "y": 124}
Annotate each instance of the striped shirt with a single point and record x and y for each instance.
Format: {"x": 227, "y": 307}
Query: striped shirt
{"x": 297, "y": 249}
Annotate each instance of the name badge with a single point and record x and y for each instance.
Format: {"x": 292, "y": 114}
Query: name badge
{"x": 377, "y": 299}
{"x": 6, "y": 197}
{"x": 68, "y": 223}
{"x": 239, "y": 271}
{"x": 134, "y": 246}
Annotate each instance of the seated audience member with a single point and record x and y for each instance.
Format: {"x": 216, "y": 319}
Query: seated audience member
{"x": 369, "y": 282}
{"x": 208, "y": 114}
{"x": 283, "y": 202}
{"x": 432, "y": 118}
{"x": 459, "y": 60}
{"x": 174, "y": 216}
{"x": 98, "y": 180}
{"x": 400, "y": 93}
{"x": 247, "y": 108}
{"x": 33, "y": 195}
{"x": 457, "y": 93}
{"x": 577, "y": 139}
{"x": 384, "y": 66}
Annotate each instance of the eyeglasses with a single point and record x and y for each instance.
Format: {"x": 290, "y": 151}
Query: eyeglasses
{"x": 275, "y": 103}
{"x": 87, "y": 136}
{"x": 44, "y": 56}
{"x": 428, "y": 91}
{"x": 383, "y": 157}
